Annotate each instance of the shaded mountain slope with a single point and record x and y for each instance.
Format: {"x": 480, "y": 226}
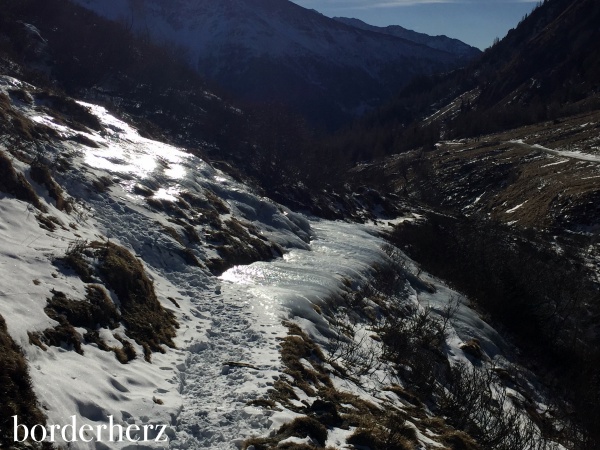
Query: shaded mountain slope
{"x": 444, "y": 43}
{"x": 277, "y": 51}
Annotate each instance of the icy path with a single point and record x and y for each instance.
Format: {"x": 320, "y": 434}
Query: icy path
{"x": 565, "y": 153}
{"x": 238, "y": 320}
{"x": 263, "y": 294}
{"x": 230, "y": 327}
{"x": 131, "y": 189}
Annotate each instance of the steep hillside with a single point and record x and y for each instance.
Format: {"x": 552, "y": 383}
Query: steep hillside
{"x": 276, "y": 51}
{"x": 145, "y": 290}
{"x": 150, "y": 283}
{"x": 550, "y": 57}
{"x": 504, "y": 158}
{"x": 266, "y": 146}
{"x": 544, "y": 69}
{"x": 544, "y": 176}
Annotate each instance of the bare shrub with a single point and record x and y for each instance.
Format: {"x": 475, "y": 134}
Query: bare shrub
{"x": 473, "y": 402}
{"x": 360, "y": 356}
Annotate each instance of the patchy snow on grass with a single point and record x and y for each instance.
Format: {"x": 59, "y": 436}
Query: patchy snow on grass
{"x": 231, "y": 327}
{"x": 512, "y": 210}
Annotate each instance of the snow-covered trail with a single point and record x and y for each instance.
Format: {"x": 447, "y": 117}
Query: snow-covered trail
{"x": 228, "y": 344}
{"x": 230, "y": 328}
{"x": 230, "y": 341}
{"x": 245, "y": 327}
{"x": 564, "y": 153}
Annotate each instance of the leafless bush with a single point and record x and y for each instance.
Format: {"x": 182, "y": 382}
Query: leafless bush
{"x": 473, "y": 401}
{"x": 360, "y": 356}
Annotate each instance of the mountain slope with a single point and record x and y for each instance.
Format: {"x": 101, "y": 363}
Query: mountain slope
{"x": 443, "y": 43}
{"x": 276, "y": 51}
{"x": 507, "y": 151}
{"x": 290, "y": 343}
{"x": 146, "y": 287}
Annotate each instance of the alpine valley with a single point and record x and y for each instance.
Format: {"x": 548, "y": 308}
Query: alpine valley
{"x": 276, "y": 51}
{"x": 241, "y": 224}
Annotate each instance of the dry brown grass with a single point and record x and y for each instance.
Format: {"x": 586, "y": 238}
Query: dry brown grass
{"x": 101, "y": 184}
{"x": 376, "y": 437}
{"x": 238, "y": 245}
{"x": 458, "y": 440}
{"x": 16, "y": 184}
{"x": 404, "y": 394}
{"x": 20, "y": 129}
{"x": 69, "y": 112}
{"x": 96, "y": 311}
{"x": 18, "y": 397}
{"x": 384, "y": 427}
{"x": 147, "y": 322}
{"x": 503, "y": 174}
{"x": 41, "y": 174}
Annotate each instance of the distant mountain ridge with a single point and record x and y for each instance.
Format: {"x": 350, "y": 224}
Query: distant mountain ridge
{"x": 277, "y": 51}
{"x": 440, "y": 42}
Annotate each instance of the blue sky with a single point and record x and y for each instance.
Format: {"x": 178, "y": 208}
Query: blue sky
{"x": 476, "y": 22}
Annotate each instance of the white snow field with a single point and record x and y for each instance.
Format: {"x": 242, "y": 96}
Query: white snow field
{"x": 230, "y": 326}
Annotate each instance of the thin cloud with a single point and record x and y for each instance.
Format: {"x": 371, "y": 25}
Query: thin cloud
{"x": 364, "y": 4}
{"x": 394, "y": 4}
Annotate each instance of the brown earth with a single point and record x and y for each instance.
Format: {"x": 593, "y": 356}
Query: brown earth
{"x": 506, "y": 176}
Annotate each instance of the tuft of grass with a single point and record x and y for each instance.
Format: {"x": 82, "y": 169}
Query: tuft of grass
{"x": 458, "y": 440}
{"x": 174, "y": 234}
{"x": 95, "y": 312}
{"x": 296, "y": 346}
{"x": 41, "y": 174}
{"x": 147, "y": 322}
{"x": 218, "y": 204}
{"x": 16, "y": 184}
{"x": 191, "y": 234}
{"x": 84, "y": 140}
{"x": 72, "y": 113}
{"x": 48, "y": 222}
{"x": 98, "y": 311}
{"x": 259, "y": 444}
{"x": 74, "y": 258}
{"x": 126, "y": 353}
{"x": 172, "y": 300}
{"x": 237, "y": 246}
{"x": 302, "y": 427}
{"x": 404, "y": 394}
{"x": 472, "y": 347}
{"x": 62, "y": 334}
{"x": 101, "y": 184}
{"x": 391, "y": 436}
